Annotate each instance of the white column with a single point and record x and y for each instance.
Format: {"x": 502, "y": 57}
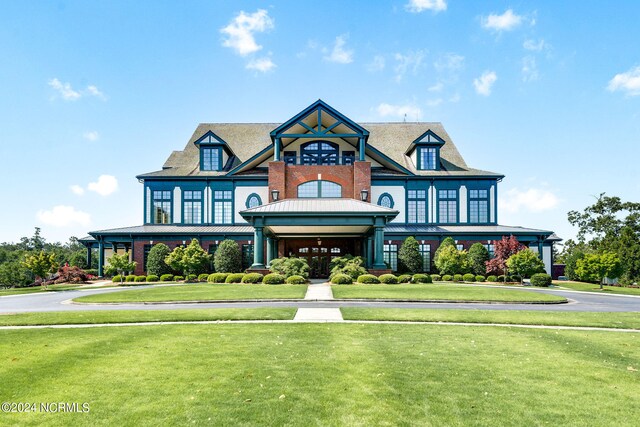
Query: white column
{"x": 431, "y": 204}
{"x": 492, "y": 204}
{"x": 148, "y": 207}
{"x": 177, "y": 205}
{"x": 208, "y": 213}
{"x": 462, "y": 201}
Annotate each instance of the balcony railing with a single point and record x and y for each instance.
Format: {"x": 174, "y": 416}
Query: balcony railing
{"x": 325, "y": 161}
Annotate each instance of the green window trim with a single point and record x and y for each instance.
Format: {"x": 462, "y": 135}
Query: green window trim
{"x": 386, "y": 200}
{"x": 222, "y": 207}
{"x": 417, "y": 206}
{"x": 210, "y": 158}
{"x": 161, "y": 203}
{"x": 447, "y": 206}
{"x": 192, "y": 207}
{"x": 319, "y": 189}
{"x": 430, "y": 156}
{"x": 478, "y": 206}
{"x": 253, "y": 200}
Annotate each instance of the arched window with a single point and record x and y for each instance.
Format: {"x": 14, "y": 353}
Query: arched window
{"x": 319, "y": 153}
{"x": 319, "y": 189}
{"x": 253, "y": 201}
{"x": 385, "y": 200}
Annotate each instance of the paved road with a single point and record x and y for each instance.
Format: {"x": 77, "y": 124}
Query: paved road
{"x": 53, "y": 301}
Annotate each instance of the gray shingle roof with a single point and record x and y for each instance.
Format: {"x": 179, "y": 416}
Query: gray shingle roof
{"x": 247, "y": 139}
{"x": 326, "y": 206}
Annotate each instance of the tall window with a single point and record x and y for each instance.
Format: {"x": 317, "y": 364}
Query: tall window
{"x": 491, "y": 249}
{"x": 319, "y": 189}
{"x": 385, "y": 200}
{"x": 390, "y": 253}
{"x": 427, "y": 158}
{"x": 253, "y": 201}
{"x": 222, "y": 207}
{"x": 478, "y": 206}
{"x": 425, "y": 252}
{"x": 211, "y": 159}
{"x": 161, "y": 207}
{"x": 417, "y": 206}
{"x": 319, "y": 153}
{"x": 247, "y": 256}
{"x": 447, "y": 206}
{"x": 192, "y": 207}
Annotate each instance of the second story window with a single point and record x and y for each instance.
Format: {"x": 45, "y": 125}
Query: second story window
{"x": 447, "y": 206}
{"x": 478, "y": 206}
{"x": 211, "y": 159}
{"x": 385, "y": 200}
{"x": 192, "y": 207}
{"x": 416, "y": 206}
{"x": 222, "y": 207}
{"x": 253, "y": 201}
{"x": 427, "y": 159}
{"x": 161, "y": 207}
{"x": 319, "y": 189}
{"x": 319, "y": 153}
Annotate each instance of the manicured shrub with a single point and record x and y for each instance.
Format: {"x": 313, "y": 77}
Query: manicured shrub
{"x": 296, "y": 280}
{"x": 117, "y": 278}
{"x": 290, "y": 266}
{"x": 492, "y": 278}
{"x": 141, "y": 278}
{"x": 178, "y": 278}
{"x": 191, "y": 278}
{"x": 469, "y": 277}
{"x": 500, "y": 278}
{"x": 203, "y": 277}
{"x": 234, "y": 278}
{"x": 409, "y": 256}
{"x": 273, "y": 279}
{"x": 228, "y": 257}
{"x": 422, "y": 278}
{"x": 166, "y": 278}
{"x": 152, "y": 278}
{"x": 156, "y": 264}
{"x": 541, "y": 279}
{"x": 252, "y": 278}
{"x": 130, "y": 278}
{"x": 217, "y": 278}
{"x": 72, "y": 274}
{"x": 477, "y": 256}
{"x": 404, "y": 278}
{"x": 480, "y": 278}
{"x": 388, "y": 279}
{"x": 91, "y": 272}
{"x": 436, "y": 277}
{"x": 342, "y": 279}
{"x": 348, "y": 264}
{"x": 447, "y": 278}
{"x": 457, "y": 277}
{"x": 368, "y": 279}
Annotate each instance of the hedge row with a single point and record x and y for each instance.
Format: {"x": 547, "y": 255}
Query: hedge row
{"x": 269, "y": 279}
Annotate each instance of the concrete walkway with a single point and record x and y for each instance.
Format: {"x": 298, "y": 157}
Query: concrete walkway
{"x": 318, "y": 292}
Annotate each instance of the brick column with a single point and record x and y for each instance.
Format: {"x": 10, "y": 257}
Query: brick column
{"x": 361, "y": 179}
{"x": 277, "y": 173}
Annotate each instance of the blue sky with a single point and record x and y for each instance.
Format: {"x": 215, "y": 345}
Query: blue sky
{"x": 93, "y": 93}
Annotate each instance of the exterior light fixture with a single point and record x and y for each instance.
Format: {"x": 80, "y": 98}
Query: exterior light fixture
{"x": 319, "y": 242}
{"x": 364, "y": 195}
{"x": 184, "y": 242}
{"x": 274, "y": 195}
{"x": 151, "y": 242}
{"x": 488, "y": 242}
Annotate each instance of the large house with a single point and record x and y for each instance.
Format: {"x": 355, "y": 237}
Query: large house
{"x": 317, "y": 186}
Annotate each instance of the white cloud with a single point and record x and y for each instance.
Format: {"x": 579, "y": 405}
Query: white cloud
{"x": 529, "y": 69}
{"x": 339, "y": 54}
{"x": 505, "y": 22}
{"x": 450, "y": 62}
{"x": 410, "y": 112}
{"x": 533, "y": 45}
{"x": 532, "y": 199}
{"x": 105, "y": 185}
{"x": 628, "y": 82}
{"x": 484, "y": 83}
{"x": 76, "y": 189}
{"x": 417, "y": 6}
{"x": 91, "y": 136}
{"x": 64, "y": 216}
{"x": 240, "y": 32}
{"x": 412, "y": 61}
{"x": 436, "y": 87}
{"x": 65, "y": 90}
{"x": 94, "y": 91}
{"x": 261, "y": 64}
{"x": 377, "y": 64}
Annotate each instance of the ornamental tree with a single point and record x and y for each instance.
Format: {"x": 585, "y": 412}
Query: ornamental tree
{"x": 41, "y": 264}
{"x": 448, "y": 241}
{"x": 525, "y": 263}
{"x": 190, "y": 260}
{"x": 228, "y": 257}
{"x": 504, "y": 248}
{"x": 595, "y": 267}
{"x": 409, "y": 257}
{"x": 156, "y": 260}
{"x": 121, "y": 264}
{"x": 478, "y": 256}
{"x": 452, "y": 261}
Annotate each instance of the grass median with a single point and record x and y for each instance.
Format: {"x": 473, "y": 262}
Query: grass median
{"x": 323, "y": 374}
{"x": 441, "y": 292}
{"x": 200, "y": 292}
{"x": 592, "y": 287}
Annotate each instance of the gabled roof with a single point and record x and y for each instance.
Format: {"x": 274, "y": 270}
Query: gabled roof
{"x": 325, "y": 206}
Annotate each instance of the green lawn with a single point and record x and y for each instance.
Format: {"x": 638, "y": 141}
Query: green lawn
{"x": 590, "y": 287}
{"x": 37, "y": 289}
{"x": 626, "y": 320}
{"x": 201, "y": 292}
{"x": 440, "y": 292}
{"x": 135, "y": 316}
{"x": 323, "y": 374}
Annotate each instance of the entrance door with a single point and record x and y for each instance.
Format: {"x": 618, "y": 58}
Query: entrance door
{"x": 319, "y": 253}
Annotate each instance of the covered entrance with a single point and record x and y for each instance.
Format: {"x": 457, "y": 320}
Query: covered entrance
{"x": 320, "y": 251}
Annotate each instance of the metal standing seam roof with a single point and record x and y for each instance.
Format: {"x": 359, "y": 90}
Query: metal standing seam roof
{"x": 324, "y": 206}
{"x": 463, "y": 229}
{"x": 176, "y": 229}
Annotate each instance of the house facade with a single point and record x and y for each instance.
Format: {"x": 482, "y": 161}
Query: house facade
{"x": 317, "y": 186}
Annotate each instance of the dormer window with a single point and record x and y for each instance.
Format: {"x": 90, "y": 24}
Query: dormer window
{"x": 427, "y": 158}
{"x": 425, "y": 151}
{"x": 211, "y": 159}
